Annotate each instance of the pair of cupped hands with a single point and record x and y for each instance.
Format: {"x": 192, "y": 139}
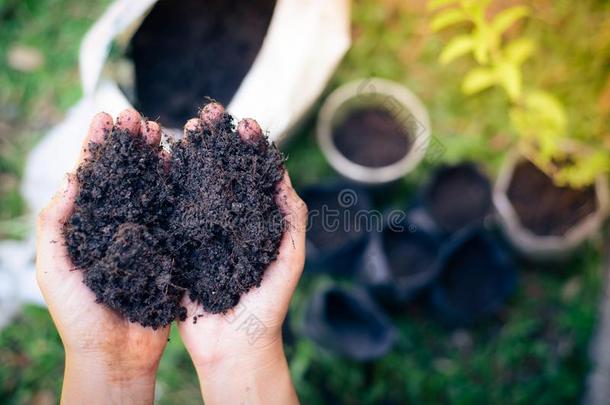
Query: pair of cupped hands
{"x": 238, "y": 356}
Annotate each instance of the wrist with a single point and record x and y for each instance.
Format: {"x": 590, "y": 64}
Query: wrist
{"x": 258, "y": 376}
{"x": 256, "y": 356}
{"x": 117, "y": 366}
{"x": 96, "y": 379}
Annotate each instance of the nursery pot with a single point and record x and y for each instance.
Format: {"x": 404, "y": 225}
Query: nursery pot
{"x": 476, "y": 277}
{"x": 337, "y": 228}
{"x": 399, "y": 262}
{"x": 544, "y": 222}
{"x": 373, "y": 131}
{"x": 349, "y": 323}
{"x": 458, "y": 197}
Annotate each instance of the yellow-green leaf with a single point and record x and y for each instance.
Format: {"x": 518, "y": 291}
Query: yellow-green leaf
{"x": 481, "y": 46}
{"x": 457, "y": 47}
{"x": 436, "y": 4}
{"x": 509, "y": 77}
{"x": 478, "y": 79}
{"x": 446, "y": 18}
{"x": 508, "y": 17}
{"x": 549, "y": 108}
{"x": 584, "y": 170}
{"x": 519, "y": 50}
{"x": 520, "y": 120}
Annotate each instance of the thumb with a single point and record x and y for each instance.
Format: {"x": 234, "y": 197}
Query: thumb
{"x": 50, "y": 245}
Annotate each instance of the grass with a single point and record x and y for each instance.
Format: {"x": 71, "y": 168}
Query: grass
{"x": 535, "y": 351}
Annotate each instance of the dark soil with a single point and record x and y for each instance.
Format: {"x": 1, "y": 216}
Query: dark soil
{"x": 331, "y": 226}
{"x": 134, "y": 277}
{"x": 143, "y": 235}
{"x": 189, "y": 49}
{"x": 459, "y": 196}
{"x": 115, "y": 234}
{"x": 544, "y": 208}
{"x": 227, "y": 225}
{"x": 408, "y": 254}
{"x": 372, "y": 137}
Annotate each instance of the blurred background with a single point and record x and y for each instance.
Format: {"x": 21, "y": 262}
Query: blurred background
{"x": 472, "y": 136}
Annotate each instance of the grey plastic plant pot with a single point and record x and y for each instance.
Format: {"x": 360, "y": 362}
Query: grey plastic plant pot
{"x": 544, "y": 248}
{"x": 398, "y": 101}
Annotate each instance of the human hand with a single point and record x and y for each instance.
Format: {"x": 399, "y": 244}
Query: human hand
{"x": 239, "y": 355}
{"x": 102, "y": 348}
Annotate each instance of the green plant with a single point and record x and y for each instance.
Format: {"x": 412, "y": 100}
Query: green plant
{"x": 537, "y": 116}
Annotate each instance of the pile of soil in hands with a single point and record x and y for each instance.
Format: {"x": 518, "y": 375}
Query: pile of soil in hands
{"x": 372, "y": 137}
{"x": 460, "y": 196}
{"x": 116, "y": 235}
{"x": 544, "y": 208}
{"x": 227, "y": 226}
{"x": 209, "y": 224}
{"x": 189, "y": 49}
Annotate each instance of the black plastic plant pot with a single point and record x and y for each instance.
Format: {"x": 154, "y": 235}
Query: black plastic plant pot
{"x": 400, "y": 262}
{"x": 349, "y": 323}
{"x": 458, "y": 197}
{"x": 477, "y": 277}
{"x": 338, "y": 227}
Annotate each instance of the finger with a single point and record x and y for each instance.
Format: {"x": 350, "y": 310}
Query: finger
{"x": 192, "y": 125}
{"x": 193, "y": 310}
{"x": 129, "y": 120}
{"x": 249, "y": 130}
{"x": 286, "y": 271}
{"x": 101, "y": 124}
{"x": 211, "y": 115}
{"x": 293, "y": 208}
{"x": 151, "y": 131}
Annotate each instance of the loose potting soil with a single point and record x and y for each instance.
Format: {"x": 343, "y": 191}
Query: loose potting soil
{"x": 459, "y": 197}
{"x": 143, "y": 236}
{"x": 116, "y": 235}
{"x": 372, "y": 137}
{"x": 226, "y": 227}
{"x": 189, "y": 49}
{"x": 544, "y": 208}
